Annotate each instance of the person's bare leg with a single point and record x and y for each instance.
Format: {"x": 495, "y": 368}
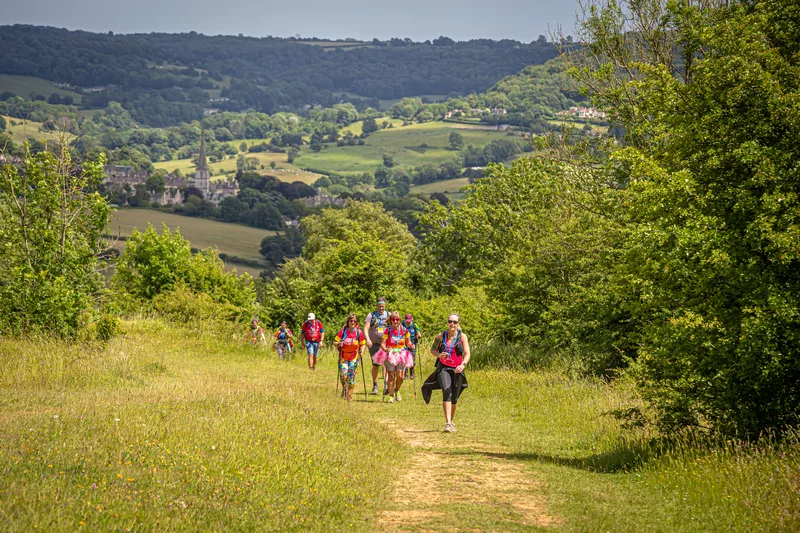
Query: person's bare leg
{"x": 448, "y": 409}
{"x": 310, "y": 360}
{"x": 375, "y": 374}
{"x": 453, "y": 412}
{"x": 391, "y": 382}
{"x": 399, "y": 379}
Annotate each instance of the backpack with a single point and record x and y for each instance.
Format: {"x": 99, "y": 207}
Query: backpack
{"x": 373, "y": 324}
{"x": 359, "y": 336}
{"x": 458, "y": 347}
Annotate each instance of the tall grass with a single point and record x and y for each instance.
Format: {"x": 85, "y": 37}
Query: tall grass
{"x": 218, "y": 437}
{"x": 172, "y": 427}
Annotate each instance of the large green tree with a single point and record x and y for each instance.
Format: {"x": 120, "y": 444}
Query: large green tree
{"x": 708, "y": 93}
{"x": 51, "y": 225}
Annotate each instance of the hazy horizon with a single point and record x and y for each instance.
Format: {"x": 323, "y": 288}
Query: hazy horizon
{"x": 357, "y": 19}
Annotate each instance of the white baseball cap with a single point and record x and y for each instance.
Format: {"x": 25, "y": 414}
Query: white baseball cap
{"x": 311, "y": 316}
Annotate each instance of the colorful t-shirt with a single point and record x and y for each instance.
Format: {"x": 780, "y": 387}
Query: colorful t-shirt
{"x": 312, "y": 330}
{"x": 351, "y": 340}
{"x": 397, "y": 337}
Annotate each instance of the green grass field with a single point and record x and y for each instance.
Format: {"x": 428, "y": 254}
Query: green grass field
{"x": 21, "y": 130}
{"x": 284, "y": 170}
{"x": 402, "y": 143}
{"x": 232, "y": 239}
{"x": 175, "y": 427}
{"x": 450, "y": 188}
{"x": 24, "y": 85}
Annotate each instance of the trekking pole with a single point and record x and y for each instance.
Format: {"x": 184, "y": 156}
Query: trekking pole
{"x": 363, "y": 376}
{"x": 414, "y": 377}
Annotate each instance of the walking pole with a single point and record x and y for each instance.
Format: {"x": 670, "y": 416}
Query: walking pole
{"x": 414, "y": 377}
{"x": 363, "y": 376}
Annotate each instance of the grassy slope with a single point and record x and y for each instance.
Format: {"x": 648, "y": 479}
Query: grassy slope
{"x": 167, "y": 429}
{"x": 284, "y": 170}
{"x": 233, "y": 239}
{"x": 24, "y": 85}
{"x": 24, "y": 129}
{"x": 402, "y": 143}
{"x": 170, "y": 430}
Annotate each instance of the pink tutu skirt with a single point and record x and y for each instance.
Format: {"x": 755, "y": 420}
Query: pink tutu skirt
{"x": 401, "y": 358}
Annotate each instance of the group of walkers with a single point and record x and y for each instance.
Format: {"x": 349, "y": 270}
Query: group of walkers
{"x": 392, "y": 343}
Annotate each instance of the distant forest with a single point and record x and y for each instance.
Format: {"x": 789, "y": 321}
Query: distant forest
{"x": 166, "y": 79}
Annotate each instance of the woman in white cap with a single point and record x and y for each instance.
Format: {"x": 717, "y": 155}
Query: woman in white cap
{"x": 314, "y": 334}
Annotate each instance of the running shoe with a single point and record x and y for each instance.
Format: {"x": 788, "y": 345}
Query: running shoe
{"x": 374, "y": 389}
{"x": 390, "y": 400}
{"x": 449, "y": 428}
{"x": 397, "y": 397}
{"x": 452, "y": 428}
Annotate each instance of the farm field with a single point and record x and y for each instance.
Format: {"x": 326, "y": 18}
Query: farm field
{"x": 574, "y": 124}
{"x": 450, "y": 188}
{"x": 284, "y": 170}
{"x": 403, "y": 143}
{"x": 21, "y": 129}
{"x": 232, "y": 239}
{"x": 24, "y": 85}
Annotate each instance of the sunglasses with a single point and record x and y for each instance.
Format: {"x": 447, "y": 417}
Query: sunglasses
{"x": 452, "y": 321}
{"x": 352, "y": 320}
{"x": 395, "y": 320}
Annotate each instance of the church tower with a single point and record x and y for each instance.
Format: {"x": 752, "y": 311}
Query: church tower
{"x": 202, "y": 174}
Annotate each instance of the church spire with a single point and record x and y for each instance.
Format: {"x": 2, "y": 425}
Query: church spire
{"x": 201, "y": 162}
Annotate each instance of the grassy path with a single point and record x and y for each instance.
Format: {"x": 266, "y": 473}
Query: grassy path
{"x": 472, "y": 486}
{"x": 171, "y": 429}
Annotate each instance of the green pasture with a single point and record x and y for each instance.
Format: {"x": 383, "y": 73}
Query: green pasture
{"x": 232, "y": 239}
{"x": 180, "y": 427}
{"x": 25, "y": 85}
{"x": 403, "y": 143}
{"x": 21, "y": 130}
{"x": 284, "y": 170}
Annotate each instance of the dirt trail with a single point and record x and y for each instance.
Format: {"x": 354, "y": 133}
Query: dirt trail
{"x": 462, "y": 486}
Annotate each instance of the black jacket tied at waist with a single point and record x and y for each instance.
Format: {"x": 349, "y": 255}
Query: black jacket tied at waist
{"x": 432, "y": 383}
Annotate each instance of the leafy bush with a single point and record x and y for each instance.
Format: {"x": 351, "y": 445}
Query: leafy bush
{"x": 156, "y": 265}
{"x": 51, "y": 225}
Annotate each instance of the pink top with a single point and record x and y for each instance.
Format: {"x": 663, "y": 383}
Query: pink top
{"x": 453, "y": 359}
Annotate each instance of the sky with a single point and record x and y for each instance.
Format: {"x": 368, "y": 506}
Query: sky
{"x": 523, "y": 20}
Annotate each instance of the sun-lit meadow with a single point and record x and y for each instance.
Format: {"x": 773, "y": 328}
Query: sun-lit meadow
{"x": 410, "y": 146}
{"x": 283, "y": 170}
{"x": 232, "y": 239}
{"x": 184, "y": 427}
{"x": 22, "y": 130}
{"x": 176, "y": 429}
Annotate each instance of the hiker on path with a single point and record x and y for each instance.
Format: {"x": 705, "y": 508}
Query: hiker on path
{"x": 255, "y": 334}
{"x": 415, "y": 333}
{"x": 351, "y": 342}
{"x": 314, "y": 334}
{"x": 451, "y": 347}
{"x": 394, "y": 355}
{"x": 283, "y": 340}
{"x": 374, "y": 327}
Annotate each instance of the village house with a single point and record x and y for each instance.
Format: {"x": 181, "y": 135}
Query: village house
{"x": 322, "y": 199}
{"x": 214, "y": 192}
{"x": 586, "y": 112}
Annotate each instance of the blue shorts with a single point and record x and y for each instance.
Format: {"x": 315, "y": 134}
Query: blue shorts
{"x": 312, "y": 348}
